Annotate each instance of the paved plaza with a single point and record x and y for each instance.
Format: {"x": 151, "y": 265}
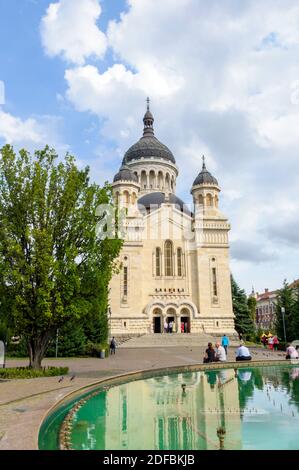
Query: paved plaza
{"x": 24, "y": 403}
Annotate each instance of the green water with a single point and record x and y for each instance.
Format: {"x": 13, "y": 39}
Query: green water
{"x": 258, "y": 408}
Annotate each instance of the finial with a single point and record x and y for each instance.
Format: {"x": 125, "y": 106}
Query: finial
{"x": 148, "y": 121}
{"x": 203, "y": 162}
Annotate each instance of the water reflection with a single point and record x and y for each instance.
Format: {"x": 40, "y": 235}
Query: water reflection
{"x": 243, "y": 407}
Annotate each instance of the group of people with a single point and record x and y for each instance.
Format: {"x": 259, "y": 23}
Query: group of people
{"x": 219, "y": 352}
{"x": 169, "y": 326}
{"x": 270, "y": 340}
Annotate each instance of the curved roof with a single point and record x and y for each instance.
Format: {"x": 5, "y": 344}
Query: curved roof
{"x": 205, "y": 177}
{"x": 125, "y": 174}
{"x": 158, "y": 198}
{"x": 148, "y": 146}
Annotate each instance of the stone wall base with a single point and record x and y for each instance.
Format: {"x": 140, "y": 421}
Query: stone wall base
{"x": 140, "y": 326}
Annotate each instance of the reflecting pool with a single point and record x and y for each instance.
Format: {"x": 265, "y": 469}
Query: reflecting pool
{"x": 246, "y": 408}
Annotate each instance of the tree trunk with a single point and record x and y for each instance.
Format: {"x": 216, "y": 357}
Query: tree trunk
{"x": 37, "y": 349}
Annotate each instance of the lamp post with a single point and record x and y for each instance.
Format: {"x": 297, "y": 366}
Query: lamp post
{"x": 110, "y": 313}
{"x": 283, "y": 310}
{"x": 56, "y": 345}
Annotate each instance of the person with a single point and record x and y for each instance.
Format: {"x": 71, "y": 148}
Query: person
{"x": 242, "y": 353}
{"x": 182, "y": 327}
{"x": 275, "y": 343}
{"x": 220, "y": 353}
{"x": 264, "y": 339}
{"x": 210, "y": 354}
{"x": 170, "y": 324}
{"x": 165, "y": 326}
{"x": 270, "y": 342}
{"x": 112, "y": 346}
{"x": 291, "y": 352}
{"x": 225, "y": 342}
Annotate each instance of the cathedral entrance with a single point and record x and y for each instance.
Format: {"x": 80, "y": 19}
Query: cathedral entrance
{"x": 171, "y": 320}
{"x": 185, "y": 321}
{"x": 157, "y": 325}
{"x": 157, "y": 320}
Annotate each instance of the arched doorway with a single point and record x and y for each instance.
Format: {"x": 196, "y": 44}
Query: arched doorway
{"x": 185, "y": 320}
{"x": 157, "y": 320}
{"x": 171, "y": 320}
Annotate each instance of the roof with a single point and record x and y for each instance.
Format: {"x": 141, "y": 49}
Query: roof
{"x": 125, "y": 174}
{"x": 205, "y": 177}
{"x": 154, "y": 200}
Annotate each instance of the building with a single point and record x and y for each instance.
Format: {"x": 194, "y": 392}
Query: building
{"x": 265, "y": 306}
{"x": 174, "y": 264}
{"x": 265, "y": 309}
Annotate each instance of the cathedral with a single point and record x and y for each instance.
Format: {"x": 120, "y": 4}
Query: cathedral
{"x": 174, "y": 273}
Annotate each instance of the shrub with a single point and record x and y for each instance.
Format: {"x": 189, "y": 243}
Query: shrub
{"x": 94, "y": 349}
{"x": 28, "y": 373}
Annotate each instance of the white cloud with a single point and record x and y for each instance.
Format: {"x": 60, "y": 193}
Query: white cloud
{"x": 70, "y": 29}
{"x": 32, "y": 133}
{"x": 15, "y": 130}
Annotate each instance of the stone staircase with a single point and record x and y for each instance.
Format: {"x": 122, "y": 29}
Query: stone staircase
{"x": 159, "y": 340}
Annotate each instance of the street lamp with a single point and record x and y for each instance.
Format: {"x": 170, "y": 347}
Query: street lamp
{"x": 110, "y": 313}
{"x": 283, "y": 310}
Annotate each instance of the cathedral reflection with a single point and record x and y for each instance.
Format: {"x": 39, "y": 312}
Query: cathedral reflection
{"x": 174, "y": 412}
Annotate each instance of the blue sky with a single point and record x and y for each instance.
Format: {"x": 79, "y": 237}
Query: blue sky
{"x": 223, "y": 77}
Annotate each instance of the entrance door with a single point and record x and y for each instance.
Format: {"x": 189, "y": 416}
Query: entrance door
{"x": 185, "y": 325}
{"x": 157, "y": 324}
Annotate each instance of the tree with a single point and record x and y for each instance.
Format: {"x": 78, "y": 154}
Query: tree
{"x": 251, "y": 302}
{"x": 295, "y": 314}
{"x": 285, "y": 299}
{"x": 243, "y": 321}
{"x": 51, "y": 257}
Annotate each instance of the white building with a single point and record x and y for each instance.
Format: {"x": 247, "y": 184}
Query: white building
{"x": 174, "y": 264}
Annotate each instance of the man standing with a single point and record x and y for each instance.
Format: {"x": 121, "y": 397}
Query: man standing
{"x": 170, "y": 324}
{"x": 220, "y": 353}
{"x": 225, "y": 342}
{"x": 112, "y": 346}
{"x": 242, "y": 353}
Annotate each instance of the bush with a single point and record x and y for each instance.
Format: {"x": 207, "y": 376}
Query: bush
{"x": 94, "y": 349}
{"x": 28, "y": 373}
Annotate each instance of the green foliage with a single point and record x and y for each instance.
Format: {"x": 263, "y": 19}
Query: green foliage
{"x": 295, "y": 314}
{"x": 71, "y": 342}
{"x": 251, "y": 302}
{"x": 54, "y": 267}
{"x": 243, "y": 321}
{"x": 94, "y": 349}
{"x": 29, "y": 373}
{"x": 285, "y": 299}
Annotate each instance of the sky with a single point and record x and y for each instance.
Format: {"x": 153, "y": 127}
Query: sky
{"x": 223, "y": 79}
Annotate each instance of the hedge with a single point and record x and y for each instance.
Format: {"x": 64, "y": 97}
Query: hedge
{"x": 28, "y": 373}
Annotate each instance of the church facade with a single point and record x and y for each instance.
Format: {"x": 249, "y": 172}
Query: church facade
{"x": 174, "y": 265}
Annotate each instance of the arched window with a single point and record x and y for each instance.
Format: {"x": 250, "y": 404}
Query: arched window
{"x": 158, "y": 261}
{"x": 179, "y": 261}
{"x": 168, "y": 254}
{"x": 209, "y": 200}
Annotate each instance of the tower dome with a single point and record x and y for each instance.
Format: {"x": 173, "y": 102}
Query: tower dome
{"x": 148, "y": 146}
{"x": 205, "y": 177}
{"x": 125, "y": 174}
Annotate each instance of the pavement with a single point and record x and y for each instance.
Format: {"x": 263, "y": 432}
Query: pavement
{"x": 24, "y": 403}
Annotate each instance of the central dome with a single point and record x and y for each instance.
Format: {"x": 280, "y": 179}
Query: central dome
{"x": 148, "y": 146}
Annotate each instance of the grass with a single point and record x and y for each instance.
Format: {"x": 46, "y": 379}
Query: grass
{"x": 27, "y": 373}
